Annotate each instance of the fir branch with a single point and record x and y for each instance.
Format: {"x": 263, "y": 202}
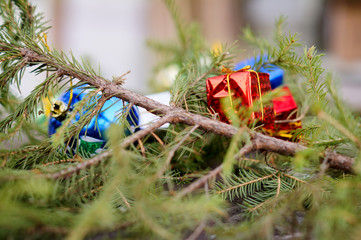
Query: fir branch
{"x": 172, "y": 152}
{"x": 201, "y": 181}
{"x": 162, "y": 232}
{"x": 340, "y": 127}
{"x": 293, "y": 177}
{"x": 329, "y": 142}
{"x": 11, "y": 132}
{"x": 70, "y": 160}
{"x": 313, "y": 72}
{"x": 251, "y": 210}
{"x": 114, "y": 184}
{"x": 245, "y": 184}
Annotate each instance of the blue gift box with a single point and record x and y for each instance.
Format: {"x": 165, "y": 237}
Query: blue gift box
{"x": 95, "y": 130}
{"x": 275, "y": 72}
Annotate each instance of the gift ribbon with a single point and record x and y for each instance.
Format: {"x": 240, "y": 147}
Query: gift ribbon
{"x": 248, "y": 69}
{"x": 71, "y": 95}
{"x": 284, "y": 133}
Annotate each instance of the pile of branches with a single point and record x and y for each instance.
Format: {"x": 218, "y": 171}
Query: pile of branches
{"x": 175, "y": 182}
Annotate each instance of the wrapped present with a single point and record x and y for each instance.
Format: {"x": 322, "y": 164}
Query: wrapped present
{"x": 285, "y": 109}
{"x": 92, "y": 137}
{"x": 245, "y": 85}
{"x": 275, "y": 73}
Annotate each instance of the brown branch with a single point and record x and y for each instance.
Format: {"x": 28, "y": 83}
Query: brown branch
{"x": 256, "y": 207}
{"x": 142, "y": 149}
{"x": 71, "y": 160}
{"x": 157, "y": 138}
{"x": 179, "y": 115}
{"x": 199, "y": 182}
{"x": 70, "y": 171}
{"x": 144, "y": 132}
{"x": 197, "y": 231}
{"x": 278, "y": 185}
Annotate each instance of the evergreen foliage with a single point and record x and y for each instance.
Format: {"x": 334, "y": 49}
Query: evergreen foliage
{"x": 132, "y": 191}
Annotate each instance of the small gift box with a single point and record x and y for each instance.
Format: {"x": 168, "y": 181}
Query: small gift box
{"x": 92, "y": 137}
{"x": 245, "y": 85}
{"x": 275, "y": 73}
{"x": 285, "y": 109}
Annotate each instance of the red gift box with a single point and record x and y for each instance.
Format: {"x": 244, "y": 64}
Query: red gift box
{"x": 244, "y": 85}
{"x": 285, "y": 109}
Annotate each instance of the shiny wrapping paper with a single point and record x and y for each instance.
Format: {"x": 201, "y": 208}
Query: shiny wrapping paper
{"x": 93, "y": 136}
{"x": 244, "y": 85}
{"x": 98, "y": 125}
{"x": 285, "y": 108}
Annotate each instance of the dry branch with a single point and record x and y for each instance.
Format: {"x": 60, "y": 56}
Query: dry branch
{"x": 179, "y": 115}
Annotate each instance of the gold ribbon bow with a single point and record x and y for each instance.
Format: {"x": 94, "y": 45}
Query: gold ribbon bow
{"x": 248, "y": 69}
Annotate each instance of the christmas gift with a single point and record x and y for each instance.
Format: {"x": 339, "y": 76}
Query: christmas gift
{"x": 245, "y": 85}
{"x": 285, "y": 109}
{"x": 92, "y": 137}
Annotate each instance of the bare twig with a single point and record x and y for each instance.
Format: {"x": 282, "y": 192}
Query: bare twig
{"x": 70, "y": 171}
{"x": 93, "y": 191}
{"x": 144, "y": 132}
{"x": 278, "y": 185}
{"x": 256, "y": 207}
{"x": 198, "y": 183}
{"x": 243, "y": 151}
{"x": 197, "y": 231}
{"x": 142, "y": 149}
{"x": 294, "y": 120}
{"x": 70, "y": 160}
{"x": 123, "y": 197}
{"x": 157, "y": 138}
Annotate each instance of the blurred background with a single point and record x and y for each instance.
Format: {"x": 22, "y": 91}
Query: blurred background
{"x": 112, "y": 34}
